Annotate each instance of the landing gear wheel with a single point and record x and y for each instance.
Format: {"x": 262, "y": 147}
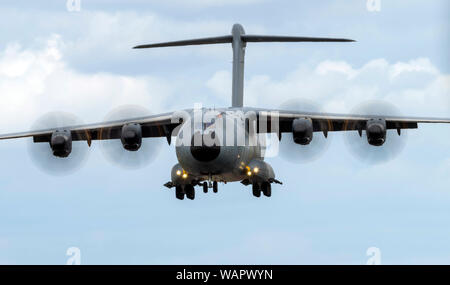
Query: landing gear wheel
{"x": 190, "y": 191}
{"x": 266, "y": 189}
{"x": 215, "y": 187}
{"x": 256, "y": 190}
{"x": 205, "y": 187}
{"x": 179, "y": 192}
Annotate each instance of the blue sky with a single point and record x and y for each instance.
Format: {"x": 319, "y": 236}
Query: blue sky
{"x": 329, "y": 211}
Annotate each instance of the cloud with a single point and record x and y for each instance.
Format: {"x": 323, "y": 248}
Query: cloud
{"x": 99, "y": 40}
{"x": 416, "y": 87}
{"x": 33, "y": 82}
{"x": 220, "y": 83}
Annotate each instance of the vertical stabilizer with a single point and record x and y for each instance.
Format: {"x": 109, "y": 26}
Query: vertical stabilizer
{"x": 237, "y": 89}
{"x": 239, "y": 40}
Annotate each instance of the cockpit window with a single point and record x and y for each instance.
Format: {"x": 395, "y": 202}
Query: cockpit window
{"x": 207, "y": 124}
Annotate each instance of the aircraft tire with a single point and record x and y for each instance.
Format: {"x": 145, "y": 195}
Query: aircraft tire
{"x": 179, "y": 192}
{"x": 256, "y": 190}
{"x": 266, "y": 189}
{"x": 190, "y": 191}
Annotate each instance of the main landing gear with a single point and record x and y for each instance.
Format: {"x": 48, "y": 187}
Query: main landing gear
{"x": 179, "y": 192}
{"x": 188, "y": 191}
{"x": 263, "y": 187}
{"x": 260, "y": 186}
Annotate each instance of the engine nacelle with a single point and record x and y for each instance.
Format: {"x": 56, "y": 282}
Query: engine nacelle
{"x": 131, "y": 136}
{"x": 61, "y": 143}
{"x": 260, "y": 171}
{"x": 302, "y": 131}
{"x": 376, "y": 131}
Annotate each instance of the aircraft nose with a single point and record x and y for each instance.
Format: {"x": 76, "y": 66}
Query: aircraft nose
{"x": 204, "y": 148}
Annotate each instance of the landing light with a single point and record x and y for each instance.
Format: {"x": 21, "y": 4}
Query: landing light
{"x": 249, "y": 173}
{"x": 184, "y": 175}
{"x": 256, "y": 170}
{"x": 178, "y": 172}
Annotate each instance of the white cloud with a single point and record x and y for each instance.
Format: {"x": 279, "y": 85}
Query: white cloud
{"x": 326, "y": 67}
{"x": 102, "y": 38}
{"x": 220, "y": 83}
{"x": 416, "y": 87}
{"x": 33, "y": 82}
{"x": 111, "y": 35}
{"x": 417, "y": 65}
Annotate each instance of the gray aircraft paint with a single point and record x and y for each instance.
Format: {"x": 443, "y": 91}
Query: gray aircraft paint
{"x": 238, "y": 66}
{"x": 234, "y": 156}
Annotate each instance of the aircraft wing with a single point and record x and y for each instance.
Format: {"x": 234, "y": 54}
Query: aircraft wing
{"x": 328, "y": 122}
{"x": 152, "y": 126}
{"x": 162, "y": 125}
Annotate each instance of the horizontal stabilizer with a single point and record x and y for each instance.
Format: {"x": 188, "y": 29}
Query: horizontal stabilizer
{"x": 244, "y": 38}
{"x": 239, "y": 40}
{"x": 259, "y": 38}
{"x": 202, "y": 41}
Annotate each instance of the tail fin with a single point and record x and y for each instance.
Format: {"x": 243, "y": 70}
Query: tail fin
{"x": 239, "y": 40}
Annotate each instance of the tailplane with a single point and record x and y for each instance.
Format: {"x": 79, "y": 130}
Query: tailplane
{"x": 239, "y": 40}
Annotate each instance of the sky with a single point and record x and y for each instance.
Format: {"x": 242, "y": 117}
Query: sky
{"x": 329, "y": 210}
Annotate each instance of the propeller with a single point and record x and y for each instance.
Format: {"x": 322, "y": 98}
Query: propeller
{"x": 41, "y": 153}
{"x": 296, "y": 153}
{"x": 361, "y": 149}
{"x": 113, "y": 149}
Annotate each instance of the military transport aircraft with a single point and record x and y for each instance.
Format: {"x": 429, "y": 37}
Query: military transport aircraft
{"x": 220, "y": 144}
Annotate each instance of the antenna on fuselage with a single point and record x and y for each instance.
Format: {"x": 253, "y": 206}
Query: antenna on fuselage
{"x": 238, "y": 40}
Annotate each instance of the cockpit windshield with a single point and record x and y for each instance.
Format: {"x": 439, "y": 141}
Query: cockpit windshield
{"x": 208, "y": 124}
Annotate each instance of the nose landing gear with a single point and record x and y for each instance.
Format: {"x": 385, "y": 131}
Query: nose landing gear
{"x": 212, "y": 185}
{"x": 188, "y": 190}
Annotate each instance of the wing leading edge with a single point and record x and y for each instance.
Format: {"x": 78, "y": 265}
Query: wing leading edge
{"x": 328, "y": 122}
{"x": 152, "y": 126}
{"x": 162, "y": 125}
